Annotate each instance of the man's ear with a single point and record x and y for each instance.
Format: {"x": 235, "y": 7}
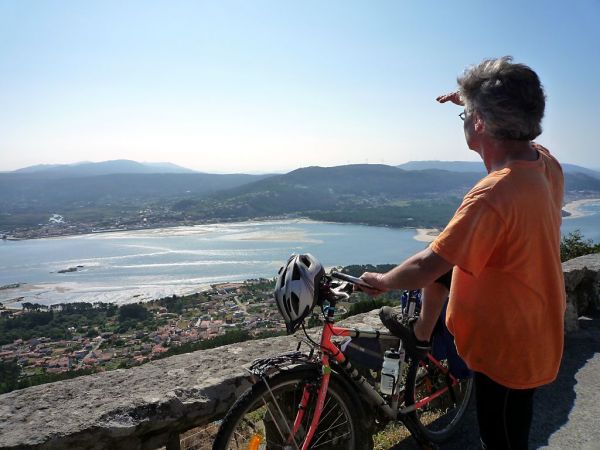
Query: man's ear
{"x": 478, "y": 123}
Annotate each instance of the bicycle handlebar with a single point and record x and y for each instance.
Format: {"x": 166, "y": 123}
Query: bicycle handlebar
{"x": 351, "y": 279}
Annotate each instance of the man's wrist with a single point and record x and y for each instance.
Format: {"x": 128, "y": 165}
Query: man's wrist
{"x": 383, "y": 280}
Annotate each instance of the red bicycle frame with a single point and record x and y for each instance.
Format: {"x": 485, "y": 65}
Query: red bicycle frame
{"x": 330, "y": 350}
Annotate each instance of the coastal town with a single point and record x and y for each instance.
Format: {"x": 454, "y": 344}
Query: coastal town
{"x": 136, "y": 333}
{"x": 58, "y": 225}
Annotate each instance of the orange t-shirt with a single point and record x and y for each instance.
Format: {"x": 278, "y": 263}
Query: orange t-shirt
{"x": 507, "y": 299}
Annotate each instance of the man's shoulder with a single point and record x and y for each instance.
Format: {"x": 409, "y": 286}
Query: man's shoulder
{"x": 547, "y": 158}
{"x": 517, "y": 176}
{"x": 488, "y": 184}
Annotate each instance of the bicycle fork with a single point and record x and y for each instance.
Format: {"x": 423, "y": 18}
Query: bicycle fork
{"x": 321, "y": 394}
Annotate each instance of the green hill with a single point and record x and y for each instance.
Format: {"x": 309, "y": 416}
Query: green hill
{"x": 374, "y": 194}
{"x": 27, "y": 199}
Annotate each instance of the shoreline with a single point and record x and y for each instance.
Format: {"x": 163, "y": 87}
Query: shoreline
{"x": 422, "y": 234}
{"x": 158, "y": 227}
{"x": 574, "y": 208}
{"x": 426, "y": 234}
{"x": 148, "y": 297}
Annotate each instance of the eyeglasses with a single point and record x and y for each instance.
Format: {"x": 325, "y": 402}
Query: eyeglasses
{"x": 463, "y": 115}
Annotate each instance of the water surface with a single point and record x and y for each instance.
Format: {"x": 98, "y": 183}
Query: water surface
{"x": 142, "y": 265}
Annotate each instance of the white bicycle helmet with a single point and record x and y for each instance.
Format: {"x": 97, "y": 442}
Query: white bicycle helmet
{"x": 297, "y": 289}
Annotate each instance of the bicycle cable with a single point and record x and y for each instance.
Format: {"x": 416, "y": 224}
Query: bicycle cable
{"x": 309, "y": 338}
{"x": 319, "y": 345}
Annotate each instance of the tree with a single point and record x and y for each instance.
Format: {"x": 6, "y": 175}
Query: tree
{"x": 37, "y": 307}
{"x": 133, "y": 311}
{"x": 9, "y": 376}
{"x": 91, "y": 333}
{"x": 573, "y": 245}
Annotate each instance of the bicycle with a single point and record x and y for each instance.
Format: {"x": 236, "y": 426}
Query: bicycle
{"x": 320, "y": 399}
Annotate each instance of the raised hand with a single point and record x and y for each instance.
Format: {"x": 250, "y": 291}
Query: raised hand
{"x": 453, "y": 97}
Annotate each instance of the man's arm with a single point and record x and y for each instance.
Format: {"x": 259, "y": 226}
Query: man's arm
{"x": 418, "y": 271}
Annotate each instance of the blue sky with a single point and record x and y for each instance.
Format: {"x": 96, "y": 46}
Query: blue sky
{"x": 259, "y": 86}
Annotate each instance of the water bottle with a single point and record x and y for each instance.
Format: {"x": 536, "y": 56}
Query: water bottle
{"x": 389, "y": 371}
{"x": 411, "y": 302}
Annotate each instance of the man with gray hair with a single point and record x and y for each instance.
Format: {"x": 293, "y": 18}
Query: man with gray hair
{"x": 507, "y": 296}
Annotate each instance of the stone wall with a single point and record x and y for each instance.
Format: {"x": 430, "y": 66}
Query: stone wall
{"x": 582, "y": 283}
{"x": 147, "y": 407}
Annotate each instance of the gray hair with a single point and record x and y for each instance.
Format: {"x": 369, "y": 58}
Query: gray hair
{"x": 508, "y": 96}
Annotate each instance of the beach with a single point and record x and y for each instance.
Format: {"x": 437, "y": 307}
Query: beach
{"x": 575, "y": 208}
{"x": 426, "y": 234}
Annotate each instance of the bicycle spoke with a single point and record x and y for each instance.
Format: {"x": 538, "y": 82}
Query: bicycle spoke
{"x": 336, "y": 419}
{"x": 332, "y": 440}
{"x": 274, "y": 420}
{"x": 331, "y": 427}
{"x": 323, "y": 417}
{"x": 287, "y": 425}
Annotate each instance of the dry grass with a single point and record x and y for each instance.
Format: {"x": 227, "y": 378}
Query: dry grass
{"x": 388, "y": 437}
{"x": 200, "y": 438}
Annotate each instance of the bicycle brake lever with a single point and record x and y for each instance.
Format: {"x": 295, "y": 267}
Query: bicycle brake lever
{"x": 340, "y": 292}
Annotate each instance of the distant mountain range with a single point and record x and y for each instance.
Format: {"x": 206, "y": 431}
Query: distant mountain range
{"x": 84, "y": 169}
{"x": 453, "y": 166}
{"x": 477, "y": 166}
{"x": 122, "y": 166}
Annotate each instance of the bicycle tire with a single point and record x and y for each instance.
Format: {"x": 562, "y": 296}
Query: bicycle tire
{"x": 250, "y": 417}
{"x": 439, "y": 419}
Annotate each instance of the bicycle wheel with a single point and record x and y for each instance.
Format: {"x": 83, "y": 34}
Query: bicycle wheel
{"x": 264, "y": 415}
{"x": 441, "y": 417}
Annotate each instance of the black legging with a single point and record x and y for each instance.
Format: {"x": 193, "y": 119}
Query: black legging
{"x": 504, "y": 414}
